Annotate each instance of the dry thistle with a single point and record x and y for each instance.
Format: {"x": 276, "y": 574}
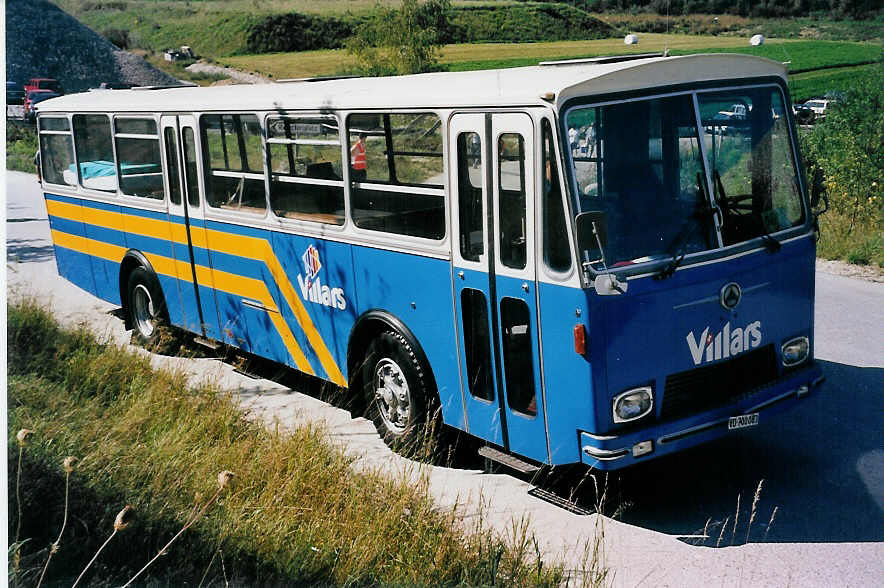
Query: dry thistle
{"x": 69, "y": 463}
{"x": 224, "y": 479}
{"x": 23, "y": 436}
{"x": 124, "y": 518}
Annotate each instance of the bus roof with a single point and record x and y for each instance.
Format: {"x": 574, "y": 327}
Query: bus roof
{"x": 521, "y": 86}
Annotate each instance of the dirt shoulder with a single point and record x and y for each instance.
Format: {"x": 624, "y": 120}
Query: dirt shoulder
{"x": 869, "y": 273}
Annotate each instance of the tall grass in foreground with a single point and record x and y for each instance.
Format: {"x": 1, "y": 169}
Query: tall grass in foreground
{"x": 298, "y": 513}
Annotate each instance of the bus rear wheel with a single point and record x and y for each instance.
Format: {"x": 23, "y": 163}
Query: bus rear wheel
{"x": 397, "y": 397}
{"x": 145, "y": 306}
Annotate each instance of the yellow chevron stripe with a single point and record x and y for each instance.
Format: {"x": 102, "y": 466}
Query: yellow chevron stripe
{"x": 240, "y": 245}
{"x": 249, "y": 288}
{"x": 260, "y": 249}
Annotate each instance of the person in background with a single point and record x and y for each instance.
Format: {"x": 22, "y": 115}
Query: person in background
{"x": 357, "y": 156}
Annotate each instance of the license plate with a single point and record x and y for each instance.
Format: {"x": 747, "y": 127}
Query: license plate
{"x": 742, "y": 421}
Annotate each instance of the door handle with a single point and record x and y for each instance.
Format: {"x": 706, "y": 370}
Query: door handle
{"x": 460, "y": 274}
{"x": 525, "y": 286}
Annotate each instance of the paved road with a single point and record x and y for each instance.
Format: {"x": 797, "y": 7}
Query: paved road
{"x": 822, "y": 463}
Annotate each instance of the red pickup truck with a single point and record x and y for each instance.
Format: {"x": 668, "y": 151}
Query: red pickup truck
{"x": 50, "y": 84}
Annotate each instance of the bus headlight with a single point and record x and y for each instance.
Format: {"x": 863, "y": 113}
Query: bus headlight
{"x": 795, "y": 351}
{"x": 633, "y": 404}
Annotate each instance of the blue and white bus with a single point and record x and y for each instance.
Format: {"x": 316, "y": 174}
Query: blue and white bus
{"x": 600, "y": 261}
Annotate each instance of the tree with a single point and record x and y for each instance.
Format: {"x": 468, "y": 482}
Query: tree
{"x": 402, "y": 41}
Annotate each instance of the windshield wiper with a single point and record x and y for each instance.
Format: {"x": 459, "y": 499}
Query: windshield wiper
{"x": 683, "y": 238}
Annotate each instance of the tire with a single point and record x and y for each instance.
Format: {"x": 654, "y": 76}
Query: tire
{"x": 145, "y": 307}
{"x": 398, "y": 396}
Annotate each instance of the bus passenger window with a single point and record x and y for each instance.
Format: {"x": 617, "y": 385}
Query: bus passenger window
{"x": 469, "y": 195}
{"x": 138, "y": 152}
{"x": 511, "y": 204}
{"x": 477, "y": 341}
{"x": 57, "y": 151}
{"x": 306, "y": 180}
{"x": 95, "y": 152}
{"x": 396, "y": 173}
{"x": 235, "y": 174}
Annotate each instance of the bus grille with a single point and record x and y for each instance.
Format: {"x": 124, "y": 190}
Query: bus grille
{"x": 709, "y": 387}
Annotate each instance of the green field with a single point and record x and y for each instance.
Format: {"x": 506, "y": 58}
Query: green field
{"x": 802, "y": 55}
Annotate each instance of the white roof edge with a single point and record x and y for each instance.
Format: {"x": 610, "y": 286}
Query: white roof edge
{"x": 520, "y": 86}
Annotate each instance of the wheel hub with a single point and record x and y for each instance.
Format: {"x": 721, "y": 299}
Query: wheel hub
{"x": 142, "y": 304}
{"x": 392, "y": 395}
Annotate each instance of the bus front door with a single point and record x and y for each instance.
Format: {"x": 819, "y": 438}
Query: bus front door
{"x": 492, "y": 185}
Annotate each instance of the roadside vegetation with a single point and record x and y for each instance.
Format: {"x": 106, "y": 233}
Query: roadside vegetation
{"x": 847, "y": 148}
{"x": 21, "y": 145}
{"x": 295, "y": 513}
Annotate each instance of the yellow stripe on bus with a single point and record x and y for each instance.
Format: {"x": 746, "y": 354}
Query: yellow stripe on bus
{"x": 239, "y": 245}
{"x": 257, "y": 248}
{"x": 248, "y": 288}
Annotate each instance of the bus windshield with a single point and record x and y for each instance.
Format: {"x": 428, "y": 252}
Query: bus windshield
{"x": 642, "y": 163}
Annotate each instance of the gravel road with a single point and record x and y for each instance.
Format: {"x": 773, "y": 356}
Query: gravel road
{"x": 822, "y": 463}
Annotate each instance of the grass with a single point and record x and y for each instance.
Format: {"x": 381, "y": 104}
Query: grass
{"x": 813, "y": 84}
{"x": 297, "y": 514}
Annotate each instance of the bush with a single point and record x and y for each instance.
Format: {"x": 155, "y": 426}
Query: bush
{"x": 119, "y": 37}
{"x": 21, "y": 145}
{"x": 298, "y": 32}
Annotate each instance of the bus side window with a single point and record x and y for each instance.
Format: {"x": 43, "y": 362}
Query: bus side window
{"x": 511, "y": 204}
{"x": 57, "y": 152}
{"x": 396, "y": 163}
{"x": 172, "y": 164}
{"x": 469, "y": 195}
{"x": 138, "y": 154}
{"x": 95, "y": 152}
{"x": 556, "y": 250}
{"x": 306, "y": 180}
{"x": 190, "y": 169}
{"x": 235, "y": 172}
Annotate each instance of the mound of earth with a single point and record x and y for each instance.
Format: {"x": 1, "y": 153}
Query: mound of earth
{"x": 44, "y": 41}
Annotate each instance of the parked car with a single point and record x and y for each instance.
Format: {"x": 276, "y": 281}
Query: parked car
{"x": 50, "y": 84}
{"x": 35, "y": 96}
{"x": 814, "y": 109}
{"x": 15, "y": 95}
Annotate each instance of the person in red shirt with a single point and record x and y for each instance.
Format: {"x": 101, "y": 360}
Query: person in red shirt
{"x": 357, "y": 156}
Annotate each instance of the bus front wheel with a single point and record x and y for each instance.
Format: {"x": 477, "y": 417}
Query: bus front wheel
{"x": 145, "y": 306}
{"x": 397, "y": 397}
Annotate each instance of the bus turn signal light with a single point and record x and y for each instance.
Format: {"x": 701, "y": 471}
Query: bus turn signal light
{"x": 580, "y": 339}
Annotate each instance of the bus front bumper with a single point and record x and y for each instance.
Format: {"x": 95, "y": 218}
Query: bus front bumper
{"x": 611, "y": 452}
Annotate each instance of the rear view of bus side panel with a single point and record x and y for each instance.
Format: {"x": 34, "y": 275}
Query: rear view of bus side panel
{"x": 72, "y": 259}
{"x": 416, "y": 290}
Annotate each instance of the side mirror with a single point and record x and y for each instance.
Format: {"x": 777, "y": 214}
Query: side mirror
{"x": 592, "y": 231}
{"x": 817, "y": 187}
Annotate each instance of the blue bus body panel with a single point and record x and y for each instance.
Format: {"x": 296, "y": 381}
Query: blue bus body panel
{"x": 320, "y": 274}
{"x": 392, "y": 281}
{"x": 567, "y": 375}
{"x": 106, "y": 272}
{"x": 73, "y": 265}
{"x": 189, "y": 311}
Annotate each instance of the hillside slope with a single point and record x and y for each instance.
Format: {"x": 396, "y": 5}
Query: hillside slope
{"x": 44, "y": 41}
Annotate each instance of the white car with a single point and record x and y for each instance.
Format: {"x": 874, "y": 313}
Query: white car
{"x": 818, "y": 106}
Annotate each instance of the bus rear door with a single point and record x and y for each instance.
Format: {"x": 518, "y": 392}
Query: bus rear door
{"x": 492, "y": 186}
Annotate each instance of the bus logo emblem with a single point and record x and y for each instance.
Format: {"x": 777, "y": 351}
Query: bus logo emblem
{"x": 312, "y": 265}
{"x": 731, "y": 294}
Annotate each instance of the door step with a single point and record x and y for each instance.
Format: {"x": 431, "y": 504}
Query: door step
{"x": 210, "y": 343}
{"x": 511, "y": 461}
